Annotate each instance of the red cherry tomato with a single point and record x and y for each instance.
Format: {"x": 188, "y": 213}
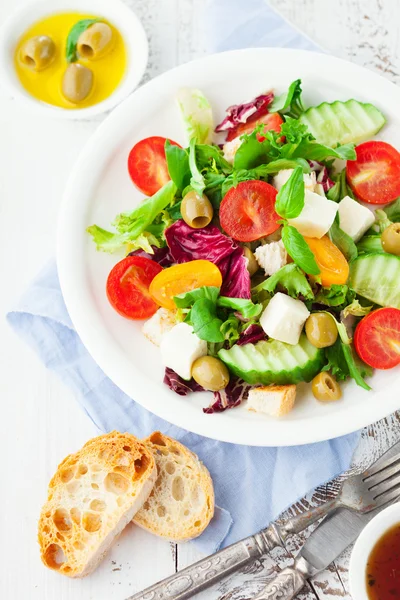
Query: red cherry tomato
{"x": 375, "y": 175}
{"x": 247, "y": 211}
{"x": 128, "y": 287}
{"x": 272, "y": 122}
{"x": 147, "y": 164}
{"x": 377, "y": 338}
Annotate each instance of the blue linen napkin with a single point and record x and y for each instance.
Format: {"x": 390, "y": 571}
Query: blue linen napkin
{"x": 252, "y": 485}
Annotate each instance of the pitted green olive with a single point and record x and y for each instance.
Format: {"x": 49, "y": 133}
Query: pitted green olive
{"x": 321, "y": 330}
{"x": 252, "y": 264}
{"x": 38, "y": 52}
{"x": 197, "y": 211}
{"x": 325, "y": 388}
{"x": 391, "y": 239}
{"x": 95, "y": 41}
{"x": 77, "y": 83}
{"x": 210, "y": 373}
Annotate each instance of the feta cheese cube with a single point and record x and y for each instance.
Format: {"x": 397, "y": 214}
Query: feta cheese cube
{"x": 161, "y": 322}
{"x": 283, "y": 318}
{"x": 272, "y": 400}
{"x": 230, "y": 149}
{"x": 355, "y": 219}
{"x": 271, "y": 257}
{"x": 310, "y": 179}
{"x": 317, "y": 216}
{"x": 180, "y": 347}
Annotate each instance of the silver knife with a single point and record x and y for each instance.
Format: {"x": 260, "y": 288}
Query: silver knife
{"x": 323, "y": 546}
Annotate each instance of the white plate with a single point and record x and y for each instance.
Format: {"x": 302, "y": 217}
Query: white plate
{"x": 100, "y": 188}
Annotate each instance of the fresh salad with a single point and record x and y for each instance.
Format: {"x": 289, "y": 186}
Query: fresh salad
{"x": 267, "y": 251}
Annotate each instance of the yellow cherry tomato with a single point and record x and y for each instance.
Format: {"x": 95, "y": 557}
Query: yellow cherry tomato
{"x": 183, "y": 278}
{"x": 333, "y": 265}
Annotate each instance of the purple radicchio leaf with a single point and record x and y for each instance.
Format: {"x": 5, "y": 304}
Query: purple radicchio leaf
{"x": 180, "y": 386}
{"x": 322, "y": 175}
{"x": 161, "y": 255}
{"x": 252, "y": 335}
{"x": 208, "y": 243}
{"x": 235, "y": 392}
{"x": 240, "y": 113}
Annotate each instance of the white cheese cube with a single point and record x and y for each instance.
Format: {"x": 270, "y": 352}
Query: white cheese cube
{"x": 180, "y": 347}
{"x": 272, "y": 400}
{"x": 283, "y": 318}
{"x": 310, "y": 179}
{"x": 230, "y": 149}
{"x": 161, "y": 322}
{"x": 355, "y": 219}
{"x": 271, "y": 257}
{"x": 317, "y": 216}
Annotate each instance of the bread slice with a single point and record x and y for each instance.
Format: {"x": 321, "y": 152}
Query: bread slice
{"x": 181, "y": 504}
{"x": 272, "y": 400}
{"x": 91, "y": 498}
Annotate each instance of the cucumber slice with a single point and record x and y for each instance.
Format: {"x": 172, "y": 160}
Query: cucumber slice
{"x": 274, "y": 362}
{"x": 376, "y": 277}
{"x": 343, "y": 122}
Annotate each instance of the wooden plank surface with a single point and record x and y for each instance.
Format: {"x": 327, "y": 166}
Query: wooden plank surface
{"x": 41, "y": 421}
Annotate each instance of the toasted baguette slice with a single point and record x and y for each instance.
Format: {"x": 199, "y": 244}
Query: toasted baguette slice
{"x": 181, "y": 504}
{"x": 91, "y": 498}
{"x": 272, "y": 400}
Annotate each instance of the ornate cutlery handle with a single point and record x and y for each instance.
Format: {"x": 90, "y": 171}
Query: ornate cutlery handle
{"x": 208, "y": 571}
{"x": 300, "y": 522}
{"x": 285, "y": 586}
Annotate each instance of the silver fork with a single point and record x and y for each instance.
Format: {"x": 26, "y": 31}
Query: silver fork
{"x": 378, "y": 485}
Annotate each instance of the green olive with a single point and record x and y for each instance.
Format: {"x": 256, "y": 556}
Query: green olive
{"x": 321, "y": 330}
{"x": 38, "y": 52}
{"x": 95, "y": 41}
{"x": 325, "y": 388}
{"x": 252, "y": 264}
{"x": 210, "y": 373}
{"x": 391, "y": 239}
{"x": 77, "y": 83}
{"x": 197, "y": 211}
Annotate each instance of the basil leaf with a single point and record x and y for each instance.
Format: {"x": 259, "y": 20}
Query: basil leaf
{"x": 290, "y": 199}
{"x": 297, "y": 248}
{"x": 393, "y": 211}
{"x": 343, "y": 241}
{"x": 206, "y": 325}
{"x": 291, "y": 100}
{"x": 289, "y": 277}
{"x": 187, "y": 299}
{"x": 248, "y": 309}
{"x": 197, "y": 181}
{"x": 178, "y": 165}
{"x": 73, "y": 37}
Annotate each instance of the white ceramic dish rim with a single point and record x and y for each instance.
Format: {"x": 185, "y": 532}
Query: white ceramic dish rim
{"x": 116, "y": 12}
{"x": 365, "y": 544}
{"x": 99, "y": 341}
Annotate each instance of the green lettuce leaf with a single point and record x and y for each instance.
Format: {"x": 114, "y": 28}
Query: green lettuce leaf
{"x": 187, "y": 299}
{"x": 197, "y": 115}
{"x": 247, "y": 308}
{"x": 205, "y": 322}
{"x": 178, "y": 165}
{"x": 336, "y": 296}
{"x": 289, "y": 103}
{"x": 393, "y": 211}
{"x": 356, "y": 309}
{"x": 290, "y": 278}
{"x": 343, "y": 241}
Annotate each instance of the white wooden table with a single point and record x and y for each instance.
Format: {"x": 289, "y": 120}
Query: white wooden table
{"x": 41, "y": 421}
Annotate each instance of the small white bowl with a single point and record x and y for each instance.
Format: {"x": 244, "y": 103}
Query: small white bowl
{"x": 115, "y": 11}
{"x": 364, "y": 546}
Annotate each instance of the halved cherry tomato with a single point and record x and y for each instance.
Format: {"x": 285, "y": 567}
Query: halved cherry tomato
{"x": 332, "y": 264}
{"x": 375, "y": 175}
{"x": 272, "y": 122}
{"x": 128, "y": 287}
{"x": 183, "y": 278}
{"x": 247, "y": 211}
{"x": 147, "y": 164}
{"x": 377, "y": 338}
